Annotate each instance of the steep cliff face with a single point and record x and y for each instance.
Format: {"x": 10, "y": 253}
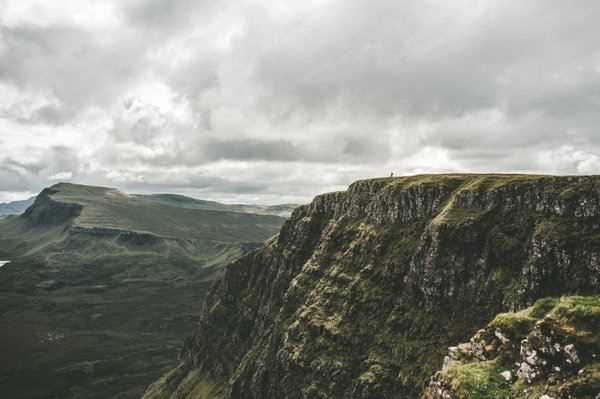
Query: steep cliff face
{"x": 46, "y": 211}
{"x": 363, "y": 291}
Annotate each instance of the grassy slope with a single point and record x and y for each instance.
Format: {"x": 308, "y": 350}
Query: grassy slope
{"x": 109, "y": 208}
{"x": 557, "y": 323}
{"x": 95, "y": 303}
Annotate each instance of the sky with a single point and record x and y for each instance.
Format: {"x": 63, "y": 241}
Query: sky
{"x": 277, "y": 101}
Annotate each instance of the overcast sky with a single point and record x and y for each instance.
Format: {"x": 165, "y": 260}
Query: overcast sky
{"x": 274, "y": 101}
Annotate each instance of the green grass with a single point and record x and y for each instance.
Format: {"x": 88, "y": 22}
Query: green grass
{"x": 576, "y": 319}
{"x": 480, "y": 380}
{"x": 111, "y": 209}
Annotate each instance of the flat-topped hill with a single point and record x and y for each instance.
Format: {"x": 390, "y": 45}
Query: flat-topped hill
{"x": 109, "y": 209}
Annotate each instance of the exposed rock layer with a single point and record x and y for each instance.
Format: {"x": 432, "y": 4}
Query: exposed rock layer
{"x": 46, "y": 211}
{"x": 363, "y": 291}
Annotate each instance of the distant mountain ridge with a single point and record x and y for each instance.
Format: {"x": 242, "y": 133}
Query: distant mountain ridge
{"x": 65, "y": 217}
{"x": 108, "y": 208}
{"x": 15, "y": 207}
{"x": 283, "y": 210}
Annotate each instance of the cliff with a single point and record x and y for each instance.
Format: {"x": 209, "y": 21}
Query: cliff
{"x": 45, "y": 210}
{"x": 363, "y": 291}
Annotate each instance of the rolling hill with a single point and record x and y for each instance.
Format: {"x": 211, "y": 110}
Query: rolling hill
{"x": 102, "y": 286}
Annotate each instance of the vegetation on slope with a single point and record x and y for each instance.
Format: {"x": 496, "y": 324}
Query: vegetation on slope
{"x": 111, "y": 209}
{"x": 551, "y": 349}
{"x": 102, "y": 288}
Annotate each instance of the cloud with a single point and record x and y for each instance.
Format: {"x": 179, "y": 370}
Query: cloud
{"x": 61, "y": 176}
{"x": 78, "y": 67}
{"x": 277, "y": 100}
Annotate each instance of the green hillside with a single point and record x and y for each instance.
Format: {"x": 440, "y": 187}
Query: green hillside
{"x": 103, "y": 286}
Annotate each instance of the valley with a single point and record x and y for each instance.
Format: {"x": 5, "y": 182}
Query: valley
{"x": 103, "y": 287}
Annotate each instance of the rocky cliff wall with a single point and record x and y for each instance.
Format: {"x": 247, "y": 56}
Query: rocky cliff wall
{"x": 363, "y": 291}
{"x": 47, "y": 211}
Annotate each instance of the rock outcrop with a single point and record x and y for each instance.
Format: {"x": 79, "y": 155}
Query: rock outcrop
{"x": 363, "y": 291}
{"x": 47, "y": 211}
{"x": 549, "y": 351}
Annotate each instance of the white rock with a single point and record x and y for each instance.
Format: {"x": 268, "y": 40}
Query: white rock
{"x": 572, "y": 355}
{"x": 532, "y": 357}
{"x": 501, "y": 337}
{"x": 507, "y": 375}
{"x": 447, "y": 361}
{"x": 557, "y": 347}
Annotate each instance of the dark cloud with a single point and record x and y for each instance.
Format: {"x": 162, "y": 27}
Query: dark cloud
{"x": 68, "y": 62}
{"x": 199, "y": 182}
{"x": 159, "y": 16}
{"x": 53, "y": 115}
{"x": 252, "y": 150}
{"x": 366, "y": 148}
{"x": 13, "y": 178}
{"x": 382, "y": 58}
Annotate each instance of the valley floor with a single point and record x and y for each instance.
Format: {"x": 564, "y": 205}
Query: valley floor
{"x": 65, "y": 335}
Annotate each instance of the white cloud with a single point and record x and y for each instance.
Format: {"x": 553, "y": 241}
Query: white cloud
{"x": 61, "y": 176}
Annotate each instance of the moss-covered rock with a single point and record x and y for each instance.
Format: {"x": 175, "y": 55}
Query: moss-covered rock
{"x": 550, "y": 350}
